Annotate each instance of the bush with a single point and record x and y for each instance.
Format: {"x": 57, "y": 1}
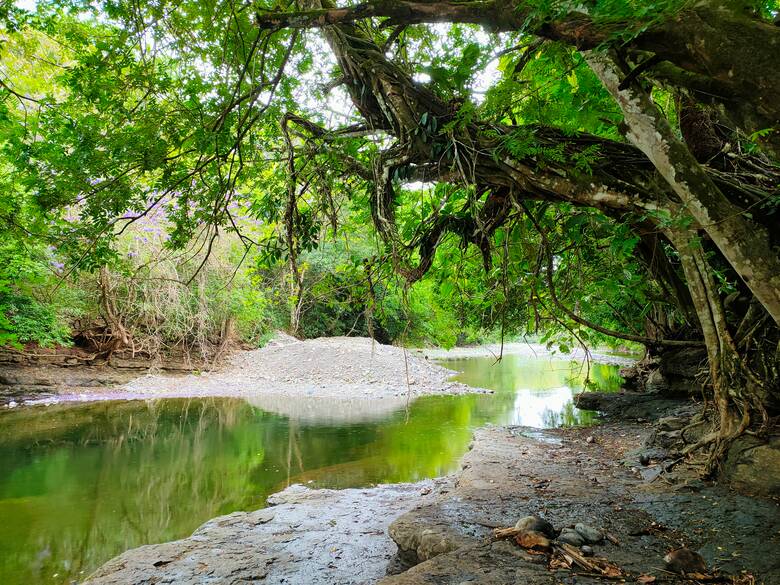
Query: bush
{"x": 29, "y": 321}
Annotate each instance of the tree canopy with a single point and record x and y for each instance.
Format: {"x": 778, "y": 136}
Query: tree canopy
{"x": 606, "y": 169}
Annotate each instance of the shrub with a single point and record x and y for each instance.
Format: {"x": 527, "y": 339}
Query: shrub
{"x": 30, "y": 321}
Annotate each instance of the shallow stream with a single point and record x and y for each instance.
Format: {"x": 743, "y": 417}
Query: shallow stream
{"x": 80, "y": 483}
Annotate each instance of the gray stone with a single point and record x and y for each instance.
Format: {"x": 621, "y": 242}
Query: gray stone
{"x": 571, "y": 536}
{"x": 671, "y": 423}
{"x": 590, "y": 534}
{"x": 656, "y": 383}
{"x": 586, "y": 550}
{"x": 317, "y": 537}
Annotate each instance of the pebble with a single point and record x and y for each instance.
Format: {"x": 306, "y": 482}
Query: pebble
{"x": 586, "y": 550}
{"x": 590, "y": 534}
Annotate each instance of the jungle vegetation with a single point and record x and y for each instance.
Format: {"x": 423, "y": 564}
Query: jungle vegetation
{"x": 176, "y": 173}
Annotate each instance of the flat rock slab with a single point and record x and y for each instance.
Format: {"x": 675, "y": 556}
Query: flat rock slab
{"x": 631, "y": 405}
{"x": 317, "y": 537}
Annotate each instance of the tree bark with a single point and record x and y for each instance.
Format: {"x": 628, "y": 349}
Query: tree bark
{"x": 728, "y": 373}
{"x": 744, "y": 243}
{"x": 297, "y": 289}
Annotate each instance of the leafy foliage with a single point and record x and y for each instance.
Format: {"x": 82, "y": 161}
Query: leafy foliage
{"x": 142, "y": 140}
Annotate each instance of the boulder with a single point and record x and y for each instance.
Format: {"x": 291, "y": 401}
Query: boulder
{"x": 753, "y": 465}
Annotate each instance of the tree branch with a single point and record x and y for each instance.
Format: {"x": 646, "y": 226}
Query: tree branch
{"x": 648, "y": 341}
{"x": 398, "y": 11}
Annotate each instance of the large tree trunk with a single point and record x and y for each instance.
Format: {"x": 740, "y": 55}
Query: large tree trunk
{"x": 736, "y": 390}
{"x": 746, "y": 244}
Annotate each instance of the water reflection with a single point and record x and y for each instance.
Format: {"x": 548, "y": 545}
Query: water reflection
{"x": 80, "y": 483}
{"x": 541, "y": 388}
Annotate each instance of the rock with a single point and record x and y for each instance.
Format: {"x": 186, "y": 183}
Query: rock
{"x": 536, "y": 524}
{"x": 651, "y": 473}
{"x": 590, "y": 440}
{"x": 679, "y": 367}
{"x": 631, "y": 377}
{"x": 656, "y": 383}
{"x": 589, "y": 534}
{"x": 571, "y": 536}
{"x": 685, "y": 560}
{"x": 586, "y": 550}
{"x": 628, "y": 405}
{"x": 690, "y": 485}
{"x": 667, "y": 439}
{"x": 316, "y": 537}
{"x": 671, "y": 423}
{"x": 753, "y": 465}
{"x": 505, "y": 561}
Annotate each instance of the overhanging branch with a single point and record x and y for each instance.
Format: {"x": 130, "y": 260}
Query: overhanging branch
{"x": 398, "y": 12}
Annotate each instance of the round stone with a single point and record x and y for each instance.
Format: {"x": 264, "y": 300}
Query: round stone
{"x": 590, "y": 534}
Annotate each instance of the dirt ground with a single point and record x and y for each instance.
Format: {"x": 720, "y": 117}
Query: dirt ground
{"x": 590, "y": 476}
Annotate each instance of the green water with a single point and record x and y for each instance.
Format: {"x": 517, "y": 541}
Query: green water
{"x": 80, "y": 483}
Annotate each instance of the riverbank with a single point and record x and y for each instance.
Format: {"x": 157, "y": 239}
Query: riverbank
{"x": 340, "y": 369}
{"x": 626, "y": 477}
{"x": 529, "y": 350}
{"x": 317, "y": 537}
{"x": 337, "y": 369}
{"x": 444, "y": 529}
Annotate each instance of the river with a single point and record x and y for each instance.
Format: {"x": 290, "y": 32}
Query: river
{"x": 80, "y": 483}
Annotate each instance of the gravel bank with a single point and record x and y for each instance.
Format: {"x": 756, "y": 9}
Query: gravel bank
{"x": 334, "y": 368}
